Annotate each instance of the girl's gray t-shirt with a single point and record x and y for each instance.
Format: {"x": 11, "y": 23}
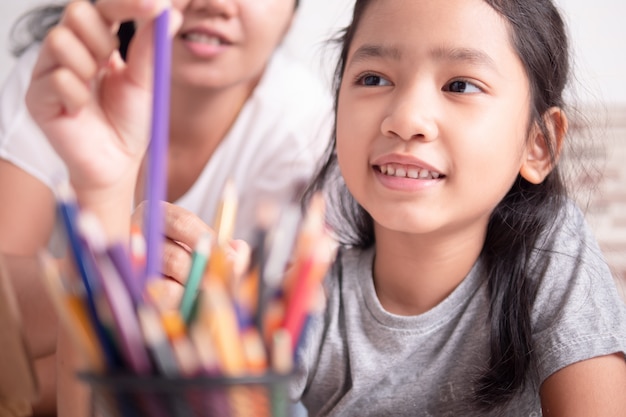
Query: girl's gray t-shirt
{"x": 356, "y": 359}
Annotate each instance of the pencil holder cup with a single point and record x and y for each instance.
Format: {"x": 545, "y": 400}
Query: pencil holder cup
{"x": 157, "y": 396}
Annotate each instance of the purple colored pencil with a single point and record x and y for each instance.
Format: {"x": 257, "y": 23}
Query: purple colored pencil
{"x": 157, "y": 152}
{"x": 120, "y": 258}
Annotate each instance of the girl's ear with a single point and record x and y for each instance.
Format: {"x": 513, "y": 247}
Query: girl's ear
{"x": 538, "y": 162}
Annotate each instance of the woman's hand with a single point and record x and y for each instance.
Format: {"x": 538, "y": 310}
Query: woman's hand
{"x": 95, "y": 108}
{"x": 182, "y": 231}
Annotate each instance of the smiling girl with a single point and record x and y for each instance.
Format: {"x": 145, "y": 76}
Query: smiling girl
{"x": 469, "y": 284}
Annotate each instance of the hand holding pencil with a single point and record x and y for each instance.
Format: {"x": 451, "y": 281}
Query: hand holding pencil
{"x": 87, "y": 100}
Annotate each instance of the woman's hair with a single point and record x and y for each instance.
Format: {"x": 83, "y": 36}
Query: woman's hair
{"x": 516, "y": 226}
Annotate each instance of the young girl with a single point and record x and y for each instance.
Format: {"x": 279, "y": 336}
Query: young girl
{"x": 241, "y": 108}
{"x": 469, "y": 285}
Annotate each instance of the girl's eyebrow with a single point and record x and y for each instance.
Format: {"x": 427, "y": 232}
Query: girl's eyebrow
{"x": 375, "y": 51}
{"x": 472, "y": 56}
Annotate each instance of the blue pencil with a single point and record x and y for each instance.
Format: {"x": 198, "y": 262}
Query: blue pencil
{"x": 68, "y": 211}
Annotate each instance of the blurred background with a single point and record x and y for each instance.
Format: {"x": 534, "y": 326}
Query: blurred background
{"x": 598, "y": 34}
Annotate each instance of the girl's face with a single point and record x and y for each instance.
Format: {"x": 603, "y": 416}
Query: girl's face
{"x": 226, "y": 42}
{"x": 432, "y": 115}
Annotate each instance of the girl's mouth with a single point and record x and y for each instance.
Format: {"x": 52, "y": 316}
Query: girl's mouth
{"x": 408, "y": 171}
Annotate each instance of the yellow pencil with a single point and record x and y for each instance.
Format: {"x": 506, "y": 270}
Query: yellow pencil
{"x": 218, "y": 313}
{"x": 226, "y": 214}
{"x": 219, "y": 266}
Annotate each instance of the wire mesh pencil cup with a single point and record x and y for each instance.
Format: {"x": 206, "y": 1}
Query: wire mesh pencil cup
{"x": 158, "y": 396}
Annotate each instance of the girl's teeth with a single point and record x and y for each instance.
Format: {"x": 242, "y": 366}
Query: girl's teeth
{"x": 408, "y": 172}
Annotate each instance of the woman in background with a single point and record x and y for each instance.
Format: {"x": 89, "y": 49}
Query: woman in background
{"x": 241, "y": 108}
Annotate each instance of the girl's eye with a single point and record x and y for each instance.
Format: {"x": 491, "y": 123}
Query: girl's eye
{"x": 372, "y": 80}
{"x": 462, "y": 86}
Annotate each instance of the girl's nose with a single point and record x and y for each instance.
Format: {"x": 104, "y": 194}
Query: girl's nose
{"x": 411, "y": 116}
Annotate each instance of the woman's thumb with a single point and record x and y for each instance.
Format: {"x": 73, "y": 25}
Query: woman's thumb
{"x": 141, "y": 52}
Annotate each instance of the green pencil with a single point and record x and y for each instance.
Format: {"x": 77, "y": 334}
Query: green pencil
{"x": 199, "y": 260}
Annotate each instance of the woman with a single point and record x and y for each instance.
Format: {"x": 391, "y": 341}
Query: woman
{"x": 240, "y": 109}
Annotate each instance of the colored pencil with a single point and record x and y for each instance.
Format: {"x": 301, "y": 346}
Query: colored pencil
{"x": 226, "y": 214}
{"x": 157, "y": 341}
{"x": 72, "y": 314}
{"x": 199, "y": 260}
{"x": 157, "y": 151}
{"x": 217, "y": 309}
{"x": 126, "y": 322}
{"x": 119, "y": 256}
{"x": 68, "y": 211}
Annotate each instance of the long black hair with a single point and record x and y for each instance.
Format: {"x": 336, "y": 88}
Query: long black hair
{"x": 517, "y": 224}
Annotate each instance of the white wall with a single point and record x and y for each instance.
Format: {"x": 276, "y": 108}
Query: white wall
{"x": 598, "y": 30}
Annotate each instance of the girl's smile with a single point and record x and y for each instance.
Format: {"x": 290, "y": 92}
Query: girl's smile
{"x": 403, "y": 172}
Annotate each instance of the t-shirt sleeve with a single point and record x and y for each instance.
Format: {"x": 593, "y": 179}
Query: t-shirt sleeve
{"x": 578, "y": 313}
{"x": 21, "y": 141}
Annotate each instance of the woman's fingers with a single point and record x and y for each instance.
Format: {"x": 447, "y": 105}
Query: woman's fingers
{"x": 61, "y": 92}
{"x": 84, "y": 42}
{"x": 62, "y": 49}
{"x": 81, "y": 42}
{"x": 93, "y": 29}
{"x": 182, "y": 231}
{"x": 140, "y": 56}
{"x": 115, "y": 11}
{"x": 184, "y": 226}
{"x": 181, "y": 225}
{"x": 176, "y": 261}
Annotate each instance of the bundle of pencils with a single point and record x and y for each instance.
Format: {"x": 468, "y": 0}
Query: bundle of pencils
{"x": 229, "y": 323}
